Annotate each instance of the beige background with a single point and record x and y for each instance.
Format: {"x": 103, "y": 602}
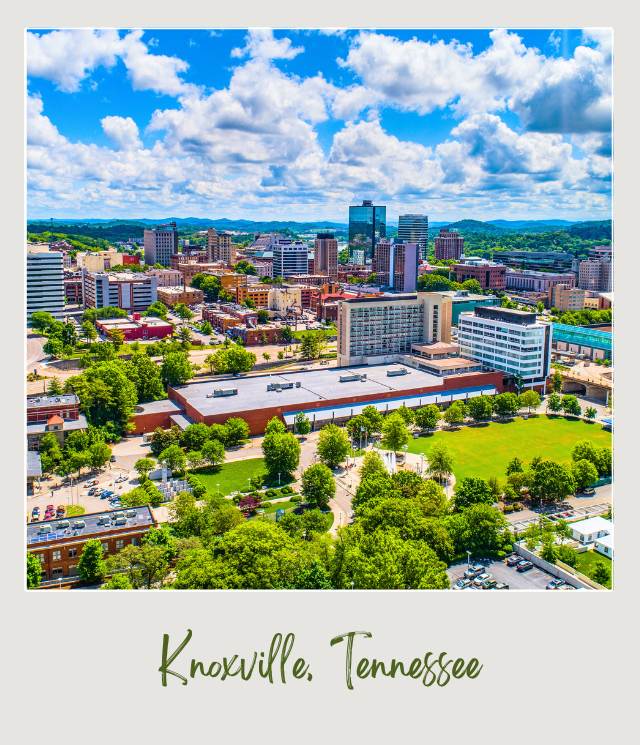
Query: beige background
{"x": 558, "y": 667}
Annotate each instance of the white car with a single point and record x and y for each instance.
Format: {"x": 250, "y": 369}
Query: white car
{"x": 481, "y": 578}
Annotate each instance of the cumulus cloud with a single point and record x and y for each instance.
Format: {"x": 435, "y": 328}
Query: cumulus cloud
{"x": 260, "y": 43}
{"x": 123, "y": 131}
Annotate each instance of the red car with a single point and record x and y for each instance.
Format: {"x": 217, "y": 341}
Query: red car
{"x": 50, "y": 508}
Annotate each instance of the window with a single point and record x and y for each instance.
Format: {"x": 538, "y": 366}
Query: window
{"x": 56, "y": 555}
{"x": 41, "y": 557}
{"x": 105, "y": 547}
{"x": 119, "y": 543}
{"x": 57, "y": 572}
{"x": 73, "y": 552}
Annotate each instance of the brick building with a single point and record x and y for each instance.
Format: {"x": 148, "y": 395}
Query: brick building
{"x": 56, "y": 414}
{"x": 448, "y": 244}
{"x": 135, "y": 327}
{"x": 171, "y": 296}
{"x": 490, "y": 275}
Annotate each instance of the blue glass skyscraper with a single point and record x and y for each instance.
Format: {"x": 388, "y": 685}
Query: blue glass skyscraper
{"x": 367, "y": 224}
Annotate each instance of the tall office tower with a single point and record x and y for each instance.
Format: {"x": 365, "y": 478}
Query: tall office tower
{"x": 415, "y": 229}
{"x": 45, "y": 280}
{"x": 220, "y": 247}
{"x": 513, "y": 341}
{"x": 449, "y": 244}
{"x": 595, "y": 274}
{"x": 127, "y": 290}
{"x": 325, "y": 259}
{"x": 160, "y": 244}
{"x": 396, "y": 265}
{"x": 290, "y": 257}
{"x": 367, "y": 224}
{"x": 381, "y": 328}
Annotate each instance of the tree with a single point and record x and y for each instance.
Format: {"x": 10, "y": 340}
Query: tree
{"x": 184, "y": 336}
{"x": 601, "y": 573}
{"x": 34, "y": 571}
{"x": 455, "y": 413}
{"x": 162, "y": 438}
{"x": 54, "y": 388}
{"x": 143, "y": 467}
{"x": 515, "y": 465}
{"x": 372, "y": 465}
{"x": 206, "y": 328}
{"x": 473, "y": 286}
{"x": 395, "y": 433}
{"x": 263, "y": 316}
{"x": 281, "y": 452}
{"x": 571, "y": 406}
{"x": 373, "y": 418}
{"x": 427, "y": 417}
{"x": 118, "y": 582}
{"x": 194, "y": 436}
{"x": 176, "y": 369}
{"x": 506, "y": 404}
{"x": 333, "y": 445}
{"x": 275, "y": 424}
{"x": 554, "y": 403}
{"x": 91, "y": 565}
{"x": 233, "y": 359}
{"x": 470, "y": 491}
{"x": 302, "y": 423}
{"x": 591, "y": 413}
{"x": 41, "y": 320}
{"x": 244, "y": 267}
{"x": 183, "y": 312}
{"x": 406, "y": 413}
{"x": 313, "y": 576}
{"x": 146, "y": 377}
{"x": 551, "y": 482}
{"x": 157, "y": 309}
{"x": 440, "y": 462}
{"x": 549, "y": 552}
{"x": 88, "y": 331}
{"x": 286, "y": 334}
{"x": 213, "y": 452}
{"x": 556, "y": 381}
{"x": 605, "y": 461}
{"x": 312, "y": 345}
{"x": 237, "y": 431}
{"x": 585, "y": 474}
{"x": 585, "y": 450}
{"x": 318, "y": 486}
{"x": 480, "y": 408}
{"x": 174, "y": 457}
{"x": 218, "y": 432}
{"x": 97, "y": 455}
{"x": 529, "y": 400}
{"x": 144, "y": 565}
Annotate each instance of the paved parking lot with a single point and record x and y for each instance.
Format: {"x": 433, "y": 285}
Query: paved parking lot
{"x": 534, "y": 579}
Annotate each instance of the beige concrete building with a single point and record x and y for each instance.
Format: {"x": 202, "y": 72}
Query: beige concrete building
{"x": 171, "y": 296}
{"x": 160, "y": 244}
{"x": 167, "y": 277}
{"x": 566, "y": 298}
{"x": 326, "y": 255}
{"x": 98, "y": 261}
{"x": 374, "y": 330}
{"x": 281, "y": 298}
{"x": 220, "y": 247}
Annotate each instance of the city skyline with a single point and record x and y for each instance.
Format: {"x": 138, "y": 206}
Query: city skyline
{"x": 197, "y": 123}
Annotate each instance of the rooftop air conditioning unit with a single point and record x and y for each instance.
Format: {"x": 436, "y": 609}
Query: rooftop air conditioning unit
{"x": 398, "y": 371}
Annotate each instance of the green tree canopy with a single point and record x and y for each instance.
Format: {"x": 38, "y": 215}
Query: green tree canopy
{"x": 333, "y": 445}
{"x": 318, "y": 485}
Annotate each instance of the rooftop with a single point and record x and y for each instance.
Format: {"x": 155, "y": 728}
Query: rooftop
{"x": 34, "y": 465}
{"x": 314, "y": 386}
{"x": 47, "y": 531}
{"x": 592, "y": 525}
{"x": 44, "y": 402}
{"x": 68, "y": 425}
{"x": 158, "y": 407}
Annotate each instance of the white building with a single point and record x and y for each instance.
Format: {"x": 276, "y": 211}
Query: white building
{"x": 591, "y": 529}
{"x": 290, "y": 257}
{"x": 604, "y": 545}
{"x": 45, "y": 280}
{"x": 512, "y": 341}
{"x": 128, "y": 290}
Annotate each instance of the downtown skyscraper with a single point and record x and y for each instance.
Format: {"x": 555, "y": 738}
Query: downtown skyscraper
{"x": 367, "y": 224}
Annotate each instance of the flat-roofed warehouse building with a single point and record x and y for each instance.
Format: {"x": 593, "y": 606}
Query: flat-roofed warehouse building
{"x": 325, "y": 395}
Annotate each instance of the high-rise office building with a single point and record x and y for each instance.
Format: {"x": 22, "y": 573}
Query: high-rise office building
{"x": 160, "y": 244}
{"x": 490, "y": 275}
{"x": 381, "y": 328}
{"x": 127, "y": 290}
{"x": 396, "y": 265}
{"x": 415, "y": 229}
{"x": 367, "y": 224}
{"x": 326, "y": 255}
{"x": 595, "y": 274}
{"x": 513, "y": 341}
{"x": 45, "y": 280}
{"x": 448, "y": 244}
{"x": 290, "y": 257}
{"x": 220, "y": 247}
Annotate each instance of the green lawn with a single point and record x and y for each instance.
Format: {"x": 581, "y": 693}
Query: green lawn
{"x": 230, "y": 476}
{"x": 485, "y": 451}
{"x": 586, "y": 563}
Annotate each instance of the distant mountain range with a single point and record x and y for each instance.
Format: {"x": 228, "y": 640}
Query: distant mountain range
{"x": 97, "y": 227}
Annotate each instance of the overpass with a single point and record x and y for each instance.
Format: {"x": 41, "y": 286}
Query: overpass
{"x": 592, "y": 382}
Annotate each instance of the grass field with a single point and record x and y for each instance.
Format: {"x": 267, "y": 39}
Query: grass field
{"x": 486, "y": 450}
{"x": 230, "y": 476}
{"x": 586, "y": 563}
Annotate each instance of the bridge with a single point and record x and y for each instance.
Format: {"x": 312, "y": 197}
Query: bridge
{"x": 588, "y": 380}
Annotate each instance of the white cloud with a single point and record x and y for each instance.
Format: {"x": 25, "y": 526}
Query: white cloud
{"x": 260, "y": 43}
{"x": 156, "y": 72}
{"x": 67, "y": 57}
{"x": 123, "y": 131}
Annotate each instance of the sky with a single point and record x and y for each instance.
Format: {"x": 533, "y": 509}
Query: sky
{"x": 297, "y": 124}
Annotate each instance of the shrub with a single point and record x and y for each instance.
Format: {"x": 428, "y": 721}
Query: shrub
{"x": 296, "y": 498}
{"x": 270, "y": 492}
{"x": 508, "y": 508}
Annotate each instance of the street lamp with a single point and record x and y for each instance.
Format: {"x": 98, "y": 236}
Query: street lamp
{"x": 468, "y": 559}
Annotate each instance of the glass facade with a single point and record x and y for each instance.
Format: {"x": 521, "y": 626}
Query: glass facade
{"x": 367, "y": 224}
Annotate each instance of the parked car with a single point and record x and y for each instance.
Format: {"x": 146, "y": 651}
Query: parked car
{"x": 35, "y": 518}
{"x": 474, "y": 570}
{"x": 524, "y": 566}
{"x": 93, "y": 482}
{"x": 489, "y": 584}
{"x": 512, "y": 560}
{"x": 501, "y": 586}
{"x": 555, "y": 584}
{"x": 113, "y": 458}
{"x": 462, "y": 583}
{"x": 481, "y": 579}
{"x": 60, "y": 511}
{"x": 35, "y": 511}
{"x": 92, "y": 491}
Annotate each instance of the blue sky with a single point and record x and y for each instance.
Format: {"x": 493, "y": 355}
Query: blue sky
{"x": 299, "y": 124}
